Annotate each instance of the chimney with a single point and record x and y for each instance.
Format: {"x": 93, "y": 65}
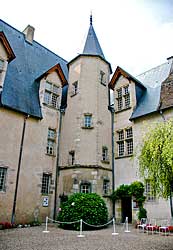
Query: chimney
{"x": 29, "y": 33}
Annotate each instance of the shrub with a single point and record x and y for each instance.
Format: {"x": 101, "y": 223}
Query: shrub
{"x": 91, "y": 208}
{"x": 142, "y": 213}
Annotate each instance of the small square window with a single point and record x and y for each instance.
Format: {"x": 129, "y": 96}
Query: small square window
{"x": 87, "y": 121}
{"x": 85, "y": 188}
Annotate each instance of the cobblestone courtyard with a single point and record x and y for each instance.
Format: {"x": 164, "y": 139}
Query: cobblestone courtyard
{"x": 57, "y": 239}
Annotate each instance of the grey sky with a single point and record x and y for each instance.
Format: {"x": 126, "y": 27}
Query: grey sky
{"x": 134, "y": 34}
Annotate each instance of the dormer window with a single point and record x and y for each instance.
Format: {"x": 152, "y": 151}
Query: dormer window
{"x": 51, "y": 95}
{"x": 123, "y": 98}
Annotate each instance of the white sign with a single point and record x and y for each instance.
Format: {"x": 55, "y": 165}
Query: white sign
{"x": 45, "y": 201}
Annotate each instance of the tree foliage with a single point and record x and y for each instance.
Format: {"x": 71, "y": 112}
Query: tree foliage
{"x": 156, "y": 158}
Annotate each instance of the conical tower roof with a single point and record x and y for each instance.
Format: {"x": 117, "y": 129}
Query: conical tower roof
{"x": 92, "y": 46}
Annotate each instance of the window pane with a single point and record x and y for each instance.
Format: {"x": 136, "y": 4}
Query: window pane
{"x": 47, "y": 97}
{"x": 126, "y": 90}
{"x": 55, "y": 89}
{"x": 130, "y": 147}
{"x": 54, "y": 101}
{"x": 119, "y": 92}
{"x": 48, "y": 86}
{"x": 121, "y": 135}
{"x": 121, "y": 148}
{"x": 3, "y": 172}
{"x": 127, "y": 101}
{"x": 129, "y": 133}
{"x": 120, "y": 103}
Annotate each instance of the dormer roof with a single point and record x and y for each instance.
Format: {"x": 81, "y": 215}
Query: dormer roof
{"x": 92, "y": 46}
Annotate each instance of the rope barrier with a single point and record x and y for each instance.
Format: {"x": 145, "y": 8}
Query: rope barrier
{"x": 81, "y": 221}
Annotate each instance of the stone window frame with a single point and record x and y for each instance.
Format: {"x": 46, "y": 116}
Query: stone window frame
{"x": 87, "y": 121}
{"x": 102, "y": 77}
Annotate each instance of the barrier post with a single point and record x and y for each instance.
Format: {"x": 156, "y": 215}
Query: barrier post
{"x": 80, "y": 233}
{"x": 127, "y": 227}
{"x": 46, "y": 231}
{"x": 114, "y": 233}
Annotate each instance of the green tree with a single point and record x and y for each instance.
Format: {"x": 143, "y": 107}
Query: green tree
{"x": 156, "y": 159}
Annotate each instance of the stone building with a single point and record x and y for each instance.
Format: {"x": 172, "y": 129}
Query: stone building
{"x": 56, "y": 136}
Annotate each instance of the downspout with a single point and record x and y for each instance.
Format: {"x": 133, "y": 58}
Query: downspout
{"x": 57, "y": 163}
{"x": 112, "y": 110}
{"x": 18, "y": 170}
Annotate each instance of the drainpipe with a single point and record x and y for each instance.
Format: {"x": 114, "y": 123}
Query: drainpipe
{"x": 57, "y": 164}
{"x": 18, "y": 170}
{"x": 112, "y": 110}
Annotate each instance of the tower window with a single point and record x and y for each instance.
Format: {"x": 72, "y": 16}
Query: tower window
{"x": 71, "y": 157}
{"x": 87, "y": 121}
{"x": 3, "y": 173}
{"x": 85, "y": 187}
{"x": 102, "y": 78}
{"x": 74, "y": 88}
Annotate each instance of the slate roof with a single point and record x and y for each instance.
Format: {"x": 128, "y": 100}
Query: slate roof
{"x": 92, "y": 46}
{"x": 152, "y": 80}
{"x": 20, "y": 90}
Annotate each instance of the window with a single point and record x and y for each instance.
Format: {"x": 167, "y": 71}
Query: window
{"x": 3, "y": 173}
{"x": 51, "y": 142}
{"x": 85, "y": 188}
{"x": 104, "y": 153}
{"x": 148, "y": 190}
{"x": 88, "y": 121}
{"x": 51, "y": 95}
{"x": 74, "y": 88}
{"x": 123, "y": 98}
{"x": 106, "y": 186}
{"x": 119, "y": 99}
{"x": 1, "y": 65}
{"x": 125, "y": 142}
{"x": 46, "y": 179}
{"x": 71, "y": 157}
{"x": 102, "y": 78}
{"x": 121, "y": 148}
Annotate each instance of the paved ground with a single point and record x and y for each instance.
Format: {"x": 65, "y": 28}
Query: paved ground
{"x": 57, "y": 239}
